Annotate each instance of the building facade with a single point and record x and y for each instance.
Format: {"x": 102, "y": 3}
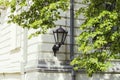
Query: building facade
{"x": 33, "y": 59}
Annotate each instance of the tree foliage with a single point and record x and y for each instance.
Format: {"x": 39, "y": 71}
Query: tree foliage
{"x": 37, "y": 14}
{"x": 4, "y": 2}
{"x": 100, "y": 37}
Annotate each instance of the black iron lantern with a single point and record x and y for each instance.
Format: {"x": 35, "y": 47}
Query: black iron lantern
{"x": 59, "y": 36}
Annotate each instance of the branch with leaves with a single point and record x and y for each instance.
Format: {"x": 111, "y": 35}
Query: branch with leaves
{"x": 37, "y": 14}
{"x": 100, "y": 39}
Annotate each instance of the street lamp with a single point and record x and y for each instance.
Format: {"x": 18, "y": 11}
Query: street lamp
{"x": 59, "y": 36}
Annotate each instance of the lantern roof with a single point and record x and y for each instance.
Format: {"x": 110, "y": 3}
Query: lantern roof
{"x": 60, "y": 30}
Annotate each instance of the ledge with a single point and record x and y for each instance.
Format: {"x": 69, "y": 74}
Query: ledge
{"x": 66, "y": 68}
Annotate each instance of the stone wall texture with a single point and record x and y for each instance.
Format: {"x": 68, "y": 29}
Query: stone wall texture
{"x": 33, "y": 59}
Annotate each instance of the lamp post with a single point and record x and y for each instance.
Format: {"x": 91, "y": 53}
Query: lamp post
{"x": 73, "y": 73}
{"x": 59, "y": 36}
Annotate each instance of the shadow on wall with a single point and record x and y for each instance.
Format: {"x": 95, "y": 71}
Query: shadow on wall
{"x": 46, "y": 56}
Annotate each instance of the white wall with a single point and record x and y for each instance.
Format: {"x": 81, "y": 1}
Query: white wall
{"x": 9, "y": 56}
{"x": 10, "y": 48}
{"x": 33, "y": 59}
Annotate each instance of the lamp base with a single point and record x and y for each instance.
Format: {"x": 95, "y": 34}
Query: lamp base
{"x": 56, "y": 48}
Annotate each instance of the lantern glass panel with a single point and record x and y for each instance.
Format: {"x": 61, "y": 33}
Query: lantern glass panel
{"x": 60, "y": 38}
{"x": 55, "y": 36}
{"x": 64, "y": 37}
